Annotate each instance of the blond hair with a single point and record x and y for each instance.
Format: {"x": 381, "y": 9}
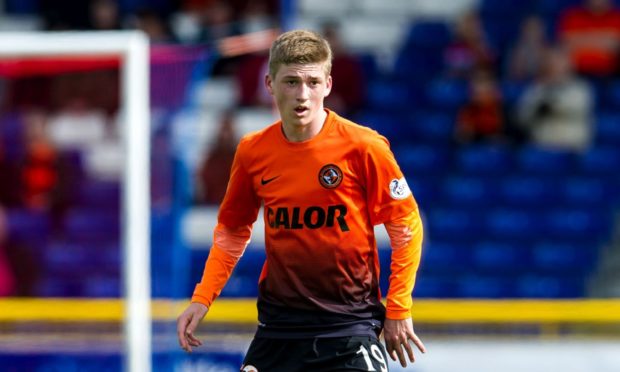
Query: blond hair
{"x": 299, "y": 47}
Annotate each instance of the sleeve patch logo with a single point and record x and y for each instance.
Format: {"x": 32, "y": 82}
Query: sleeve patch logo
{"x": 399, "y": 189}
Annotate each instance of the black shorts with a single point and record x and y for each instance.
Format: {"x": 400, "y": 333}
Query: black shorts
{"x": 353, "y": 353}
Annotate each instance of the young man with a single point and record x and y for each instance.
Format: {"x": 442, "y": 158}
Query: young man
{"x": 324, "y": 182}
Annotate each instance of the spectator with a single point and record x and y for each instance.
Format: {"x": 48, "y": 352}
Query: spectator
{"x": 218, "y": 22}
{"x": 104, "y": 15}
{"x": 469, "y": 51}
{"x": 591, "y": 33}
{"x": 555, "y": 110}
{"x": 348, "y": 91}
{"x": 256, "y": 17}
{"x": 215, "y": 171}
{"x": 482, "y": 118}
{"x": 250, "y": 77}
{"x": 153, "y": 25}
{"x": 7, "y": 278}
{"x": 526, "y": 57}
{"x": 39, "y": 175}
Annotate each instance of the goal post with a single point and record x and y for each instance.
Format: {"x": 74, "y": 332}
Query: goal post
{"x": 133, "y": 49}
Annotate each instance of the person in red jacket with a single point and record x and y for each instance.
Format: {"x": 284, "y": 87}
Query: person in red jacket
{"x": 323, "y": 182}
{"x": 592, "y": 35}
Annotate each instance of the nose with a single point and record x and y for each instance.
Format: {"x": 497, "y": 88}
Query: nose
{"x": 303, "y": 93}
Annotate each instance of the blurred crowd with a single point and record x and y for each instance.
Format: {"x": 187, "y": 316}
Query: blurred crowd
{"x": 58, "y": 130}
{"x": 559, "y": 65}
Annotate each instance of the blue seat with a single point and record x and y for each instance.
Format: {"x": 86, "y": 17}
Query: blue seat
{"x": 416, "y": 161}
{"x": 612, "y": 95}
{"x": 435, "y": 286}
{"x": 428, "y": 34}
{"x": 442, "y": 257}
{"x": 447, "y": 94}
{"x": 240, "y": 286}
{"x": 513, "y": 224}
{"x": 478, "y": 286}
{"x": 553, "y": 257}
{"x": 416, "y": 65}
{"x": 30, "y": 226}
{"x": 484, "y": 159}
{"x": 608, "y": 128}
{"x": 505, "y": 8}
{"x": 390, "y": 95}
{"x": 101, "y": 286}
{"x": 457, "y": 225}
{"x": 463, "y": 190}
{"x": 424, "y": 190}
{"x": 584, "y": 191}
{"x": 87, "y": 225}
{"x": 100, "y": 194}
{"x": 433, "y": 126}
{"x": 600, "y": 160}
{"x": 387, "y": 124}
{"x": 500, "y": 257}
{"x": 512, "y": 91}
{"x": 531, "y": 191}
{"x": 549, "y": 286}
{"x": 577, "y": 223}
{"x": 538, "y": 160}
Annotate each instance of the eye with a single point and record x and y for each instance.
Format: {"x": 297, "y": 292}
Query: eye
{"x": 291, "y": 83}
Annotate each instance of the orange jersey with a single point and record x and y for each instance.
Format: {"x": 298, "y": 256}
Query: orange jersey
{"x": 321, "y": 199}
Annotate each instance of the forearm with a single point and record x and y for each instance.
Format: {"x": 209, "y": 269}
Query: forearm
{"x": 406, "y": 236}
{"x": 228, "y": 247}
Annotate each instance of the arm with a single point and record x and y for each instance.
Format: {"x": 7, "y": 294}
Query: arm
{"x": 406, "y": 239}
{"x": 228, "y": 246}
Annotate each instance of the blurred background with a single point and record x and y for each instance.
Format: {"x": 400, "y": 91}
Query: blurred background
{"x": 503, "y": 115}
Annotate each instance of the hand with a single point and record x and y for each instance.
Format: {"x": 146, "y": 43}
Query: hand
{"x": 397, "y": 334}
{"x": 187, "y": 323}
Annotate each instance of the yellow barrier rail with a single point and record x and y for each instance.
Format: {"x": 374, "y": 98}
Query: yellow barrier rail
{"x": 244, "y": 311}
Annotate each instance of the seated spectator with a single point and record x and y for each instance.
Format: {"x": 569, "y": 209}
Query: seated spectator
{"x": 217, "y": 22}
{"x": 482, "y": 118}
{"x": 526, "y": 56}
{"x": 591, "y": 33}
{"x": 153, "y": 25}
{"x": 104, "y": 15}
{"x": 214, "y": 172}
{"x": 39, "y": 173}
{"x": 555, "y": 110}
{"x": 348, "y": 90}
{"x": 469, "y": 51}
{"x": 250, "y": 80}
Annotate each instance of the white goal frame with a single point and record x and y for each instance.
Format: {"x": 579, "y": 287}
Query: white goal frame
{"x": 133, "y": 49}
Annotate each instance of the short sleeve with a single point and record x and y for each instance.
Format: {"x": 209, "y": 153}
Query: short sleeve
{"x": 387, "y": 193}
{"x": 241, "y": 204}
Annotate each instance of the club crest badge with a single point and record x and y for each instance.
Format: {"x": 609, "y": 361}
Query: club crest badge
{"x": 249, "y": 368}
{"x": 330, "y": 176}
{"x": 399, "y": 189}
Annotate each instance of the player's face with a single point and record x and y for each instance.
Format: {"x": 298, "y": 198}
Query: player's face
{"x": 299, "y": 91}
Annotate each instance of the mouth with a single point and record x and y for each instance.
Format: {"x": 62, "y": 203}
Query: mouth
{"x": 300, "y": 110}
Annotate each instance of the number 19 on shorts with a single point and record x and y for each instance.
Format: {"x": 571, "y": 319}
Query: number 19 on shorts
{"x": 377, "y": 355}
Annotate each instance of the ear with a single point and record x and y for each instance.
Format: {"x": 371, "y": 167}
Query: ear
{"x": 269, "y": 84}
{"x": 328, "y": 86}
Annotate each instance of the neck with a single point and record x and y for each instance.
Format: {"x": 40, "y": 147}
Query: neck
{"x": 300, "y": 133}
